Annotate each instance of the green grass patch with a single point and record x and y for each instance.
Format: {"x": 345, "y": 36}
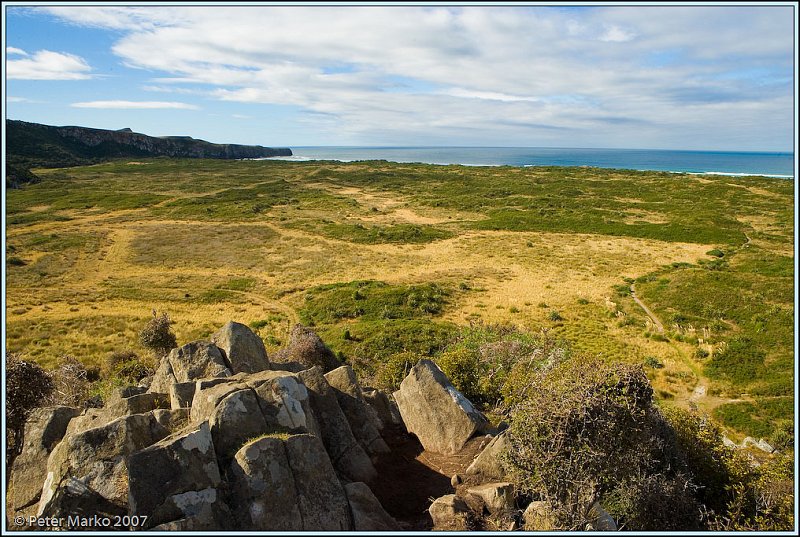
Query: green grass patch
{"x": 373, "y": 300}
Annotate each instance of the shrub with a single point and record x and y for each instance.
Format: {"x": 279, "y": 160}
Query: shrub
{"x": 27, "y": 386}
{"x": 716, "y": 252}
{"x": 584, "y": 429}
{"x": 127, "y": 367}
{"x": 555, "y": 316}
{"x": 70, "y": 383}
{"x": 394, "y": 369}
{"x": 653, "y": 362}
{"x": 157, "y": 336}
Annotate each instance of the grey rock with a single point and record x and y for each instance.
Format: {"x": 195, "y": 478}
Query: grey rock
{"x": 244, "y": 350}
{"x": 136, "y": 404}
{"x": 347, "y": 455}
{"x": 172, "y": 420}
{"x": 234, "y": 420}
{"x": 368, "y": 513}
{"x": 497, "y": 497}
{"x": 263, "y": 487}
{"x": 97, "y": 458}
{"x": 538, "y": 517}
{"x": 321, "y": 497}
{"x": 44, "y": 428}
{"x": 433, "y": 410}
{"x": 193, "y": 361}
{"x": 601, "y": 520}
{"x": 449, "y": 512}
{"x": 175, "y": 478}
{"x": 489, "y": 462}
{"x": 360, "y": 415}
{"x": 181, "y": 394}
{"x": 384, "y": 406}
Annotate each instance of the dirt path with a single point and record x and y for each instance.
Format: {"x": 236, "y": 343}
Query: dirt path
{"x": 656, "y": 321}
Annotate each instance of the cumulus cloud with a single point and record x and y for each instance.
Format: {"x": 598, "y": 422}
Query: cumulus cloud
{"x": 15, "y": 51}
{"x": 134, "y": 105}
{"x": 47, "y": 65}
{"x": 396, "y": 72}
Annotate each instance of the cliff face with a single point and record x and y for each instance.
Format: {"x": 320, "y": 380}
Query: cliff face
{"x": 30, "y": 145}
{"x": 168, "y": 146}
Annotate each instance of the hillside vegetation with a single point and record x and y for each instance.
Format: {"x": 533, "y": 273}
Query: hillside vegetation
{"x": 388, "y": 261}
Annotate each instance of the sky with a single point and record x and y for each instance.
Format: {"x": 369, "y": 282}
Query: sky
{"x": 718, "y": 77}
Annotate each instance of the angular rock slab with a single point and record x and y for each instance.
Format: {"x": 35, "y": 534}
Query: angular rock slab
{"x": 244, "y": 350}
{"x": 175, "y": 478}
{"x": 321, "y": 497}
{"x": 497, "y": 497}
{"x": 347, "y": 455}
{"x": 368, "y": 513}
{"x": 263, "y": 488}
{"x": 384, "y": 406}
{"x": 489, "y": 462}
{"x": 44, "y": 429}
{"x": 362, "y": 418}
{"x": 97, "y": 458}
{"x": 433, "y": 410}
{"x": 193, "y": 361}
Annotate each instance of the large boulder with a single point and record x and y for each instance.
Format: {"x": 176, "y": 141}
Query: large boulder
{"x": 44, "y": 428}
{"x": 136, "y": 404}
{"x": 306, "y": 347}
{"x": 284, "y": 401}
{"x": 193, "y": 361}
{"x": 176, "y": 479}
{"x": 489, "y": 462}
{"x": 347, "y": 455}
{"x": 97, "y": 458}
{"x": 538, "y": 516}
{"x": 368, "y": 513}
{"x": 244, "y": 350}
{"x": 433, "y": 410}
{"x": 234, "y": 420}
{"x": 361, "y": 416}
{"x": 263, "y": 491}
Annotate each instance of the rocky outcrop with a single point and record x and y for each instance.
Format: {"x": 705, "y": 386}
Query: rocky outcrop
{"x": 195, "y": 360}
{"x": 97, "y": 460}
{"x": 384, "y": 406}
{"x": 269, "y": 450}
{"x": 433, "y": 410}
{"x": 243, "y": 349}
{"x": 346, "y": 453}
{"x": 362, "y": 418}
{"x": 176, "y": 478}
{"x": 44, "y": 429}
{"x": 306, "y": 348}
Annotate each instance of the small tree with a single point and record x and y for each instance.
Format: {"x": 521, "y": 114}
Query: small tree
{"x": 157, "y": 336}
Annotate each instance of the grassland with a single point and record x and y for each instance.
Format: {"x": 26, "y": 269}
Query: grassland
{"x": 389, "y": 258}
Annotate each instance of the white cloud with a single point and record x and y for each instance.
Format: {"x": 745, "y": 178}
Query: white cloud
{"x": 134, "y": 105}
{"x": 615, "y": 34}
{"x": 402, "y": 71}
{"x": 12, "y": 99}
{"x": 15, "y": 51}
{"x": 48, "y": 65}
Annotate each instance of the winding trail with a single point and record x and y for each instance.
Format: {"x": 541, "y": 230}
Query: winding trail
{"x": 656, "y": 321}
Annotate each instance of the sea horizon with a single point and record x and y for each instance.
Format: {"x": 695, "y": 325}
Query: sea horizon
{"x": 777, "y": 164}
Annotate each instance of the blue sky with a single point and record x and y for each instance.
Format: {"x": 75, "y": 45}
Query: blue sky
{"x": 669, "y": 77}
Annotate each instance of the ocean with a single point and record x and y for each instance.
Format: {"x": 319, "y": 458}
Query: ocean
{"x": 719, "y": 162}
